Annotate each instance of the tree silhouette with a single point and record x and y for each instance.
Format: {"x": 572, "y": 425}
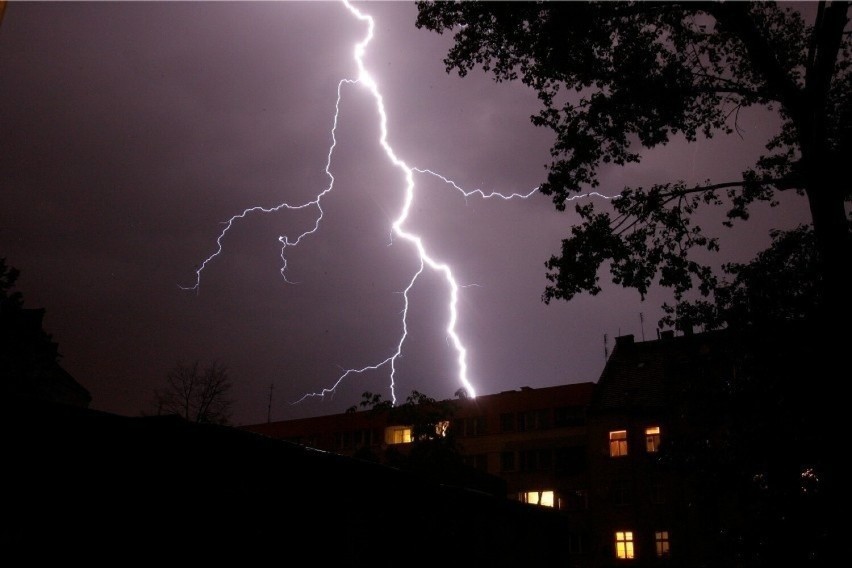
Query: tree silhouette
{"x": 780, "y": 285}
{"x": 29, "y": 358}
{"x": 197, "y": 394}
{"x": 610, "y": 74}
{"x": 615, "y": 77}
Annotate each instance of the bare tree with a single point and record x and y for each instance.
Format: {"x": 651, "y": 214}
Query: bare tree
{"x": 198, "y": 394}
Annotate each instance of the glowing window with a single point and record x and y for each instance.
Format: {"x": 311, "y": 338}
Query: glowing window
{"x": 652, "y": 439}
{"x": 441, "y": 428}
{"x": 618, "y": 443}
{"x": 543, "y": 498}
{"x": 661, "y": 541}
{"x": 624, "y": 544}
{"x": 398, "y": 434}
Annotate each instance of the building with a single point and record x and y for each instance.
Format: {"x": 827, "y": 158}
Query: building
{"x": 83, "y": 486}
{"x": 664, "y": 461}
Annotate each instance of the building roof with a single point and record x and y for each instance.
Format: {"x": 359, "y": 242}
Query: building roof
{"x": 644, "y": 374}
{"x": 89, "y": 483}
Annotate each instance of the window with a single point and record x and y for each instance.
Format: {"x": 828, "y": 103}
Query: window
{"x": 473, "y": 426}
{"x": 398, "y": 434}
{"x": 441, "y": 428}
{"x": 535, "y": 460}
{"x": 575, "y": 499}
{"x": 569, "y": 416}
{"x": 476, "y": 461}
{"x": 618, "y": 443}
{"x": 570, "y": 460}
{"x": 620, "y": 492}
{"x": 343, "y": 440}
{"x": 575, "y": 543}
{"x": 507, "y": 422}
{"x": 363, "y": 438}
{"x": 624, "y": 545}
{"x": 507, "y": 461}
{"x": 543, "y": 498}
{"x": 652, "y": 439}
{"x": 658, "y": 493}
{"x": 661, "y": 542}
{"x": 533, "y": 420}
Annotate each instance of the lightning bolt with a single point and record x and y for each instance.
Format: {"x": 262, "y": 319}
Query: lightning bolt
{"x": 366, "y": 80}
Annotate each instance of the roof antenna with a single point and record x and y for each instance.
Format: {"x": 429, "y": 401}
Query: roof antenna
{"x": 642, "y": 324}
{"x": 606, "y": 350}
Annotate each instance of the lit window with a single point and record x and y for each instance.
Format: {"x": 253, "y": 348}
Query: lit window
{"x": 652, "y": 439}
{"x": 441, "y": 428}
{"x": 624, "y": 544}
{"x": 398, "y": 434}
{"x": 661, "y": 540}
{"x": 543, "y": 498}
{"x": 618, "y": 443}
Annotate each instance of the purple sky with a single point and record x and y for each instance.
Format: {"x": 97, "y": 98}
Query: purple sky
{"x": 130, "y": 131}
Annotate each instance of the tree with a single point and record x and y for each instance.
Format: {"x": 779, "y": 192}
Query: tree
{"x": 433, "y": 447}
{"x": 610, "y": 74}
{"x": 780, "y": 286}
{"x": 29, "y": 358}
{"x": 9, "y": 300}
{"x": 197, "y": 394}
{"x": 614, "y": 76}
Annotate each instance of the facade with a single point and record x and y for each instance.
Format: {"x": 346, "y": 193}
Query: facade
{"x": 658, "y": 463}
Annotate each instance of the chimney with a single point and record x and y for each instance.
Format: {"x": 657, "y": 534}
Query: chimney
{"x": 624, "y": 340}
{"x": 667, "y": 334}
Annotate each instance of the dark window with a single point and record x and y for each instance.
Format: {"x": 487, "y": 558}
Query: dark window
{"x": 363, "y": 438}
{"x": 535, "y": 460}
{"x": 476, "y": 461}
{"x": 569, "y": 416}
{"x": 507, "y": 461}
{"x": 620, "y": 492}
{"x": 472, "y": 426}
{"x": 658, "y": 493}
{"x": 507, "y": 422}
{"x": 570, "y": 461}
{"x": 575, "y": 543}
{"x": 533, "y": 420}
{"x": 575, "y": 500}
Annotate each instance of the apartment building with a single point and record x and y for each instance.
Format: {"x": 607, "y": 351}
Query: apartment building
{"x": 655, "y": 464}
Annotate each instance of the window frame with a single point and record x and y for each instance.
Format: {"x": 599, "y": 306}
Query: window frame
{"x": 625, "y": 545}
{"x": 652, "y": 439}
{"x": 618, "y": 447}
{"x": 662, "y": 543}
{"x": 391, "y": 431}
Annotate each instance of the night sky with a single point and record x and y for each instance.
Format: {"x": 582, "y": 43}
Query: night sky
{"x": 130, "y": 131}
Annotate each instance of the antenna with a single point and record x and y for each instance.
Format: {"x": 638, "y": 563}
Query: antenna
{"x": 606, "y": 350}
{"x": 642, "y": 324}
{"x": 269, "y": 408}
